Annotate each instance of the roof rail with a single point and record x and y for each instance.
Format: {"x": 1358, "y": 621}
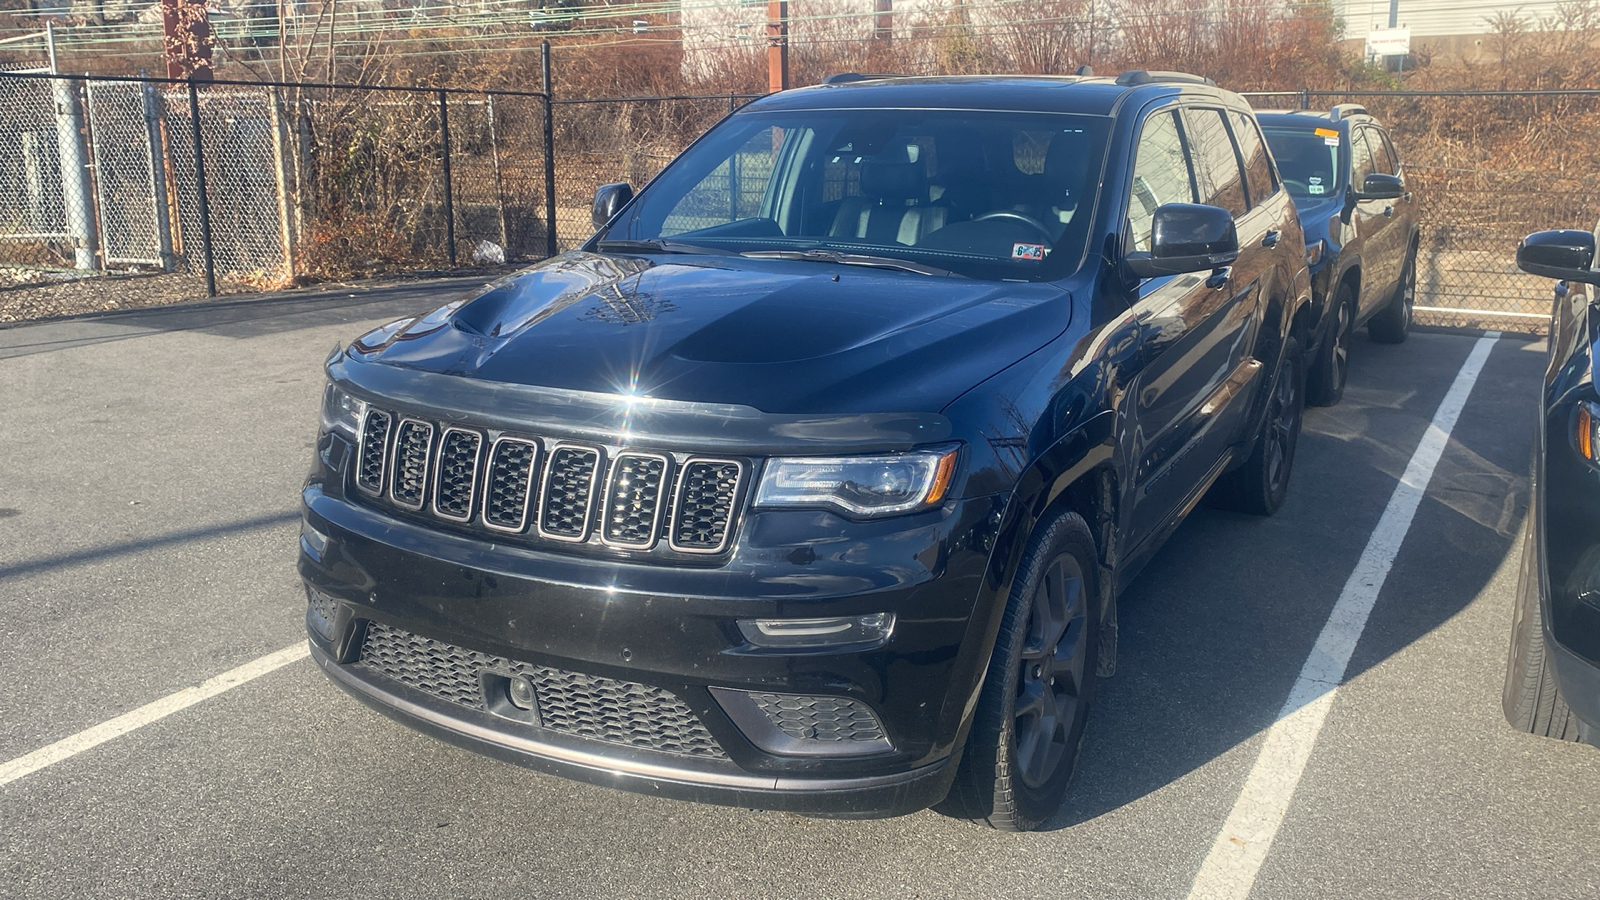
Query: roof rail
{"x": 848, "y": 77}
{"x": 1140, "y": 76}
{"x": 1345, "y": 110}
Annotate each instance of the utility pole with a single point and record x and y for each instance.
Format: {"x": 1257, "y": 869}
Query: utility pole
{"x": 777, "y": 46}
{"x": 883, "y": 21}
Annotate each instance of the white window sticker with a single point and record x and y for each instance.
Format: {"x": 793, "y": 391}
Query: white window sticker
{"x": 1027, "y": 251}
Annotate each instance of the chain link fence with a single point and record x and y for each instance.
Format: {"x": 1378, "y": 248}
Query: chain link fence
{"x": 315, "y": 182}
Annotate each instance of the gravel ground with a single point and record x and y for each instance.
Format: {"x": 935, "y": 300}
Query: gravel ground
{"x": 89, "y": 295}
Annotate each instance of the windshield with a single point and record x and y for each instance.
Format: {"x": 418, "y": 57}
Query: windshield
{"x": 987, "y": 195}
{"x": 1307, "y": 158}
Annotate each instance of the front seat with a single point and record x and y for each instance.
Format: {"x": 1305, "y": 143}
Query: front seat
{"x": 1065, "y": 179}
{"x": 893, "y": 206}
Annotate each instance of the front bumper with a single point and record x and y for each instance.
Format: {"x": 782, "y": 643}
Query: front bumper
{"x": 651, "y": 627}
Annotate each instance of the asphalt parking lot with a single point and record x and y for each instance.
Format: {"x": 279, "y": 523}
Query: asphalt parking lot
{"x": 152, "y": 463}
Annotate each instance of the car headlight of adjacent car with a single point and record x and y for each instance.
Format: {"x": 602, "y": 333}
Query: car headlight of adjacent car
{"x": 863, "y": 486}
{"x": 341, "y": 412}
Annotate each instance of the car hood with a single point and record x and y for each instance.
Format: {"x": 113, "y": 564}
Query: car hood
{"x": 1315, "y": 213}
{"x": 778, "y": 336}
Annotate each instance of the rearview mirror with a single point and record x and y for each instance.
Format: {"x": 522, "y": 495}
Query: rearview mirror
{"x": 1379, "y": 186}
{"x": 1187, "y": 237}
{"x": 1563, "y": 254}
{"x": 608, "y": 200}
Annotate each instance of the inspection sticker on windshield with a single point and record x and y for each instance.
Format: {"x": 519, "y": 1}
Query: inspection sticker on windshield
{"x": 1027, "y": 251}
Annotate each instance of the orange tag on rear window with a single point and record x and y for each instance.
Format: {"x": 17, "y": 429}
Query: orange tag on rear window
{"x": 1326, "y": 132}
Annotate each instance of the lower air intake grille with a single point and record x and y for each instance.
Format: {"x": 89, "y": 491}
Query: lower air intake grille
{"x": 603, "y": 709}
{"x": 834, "y": 719}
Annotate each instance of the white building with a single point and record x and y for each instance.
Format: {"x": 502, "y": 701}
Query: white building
{"x": 1450, "y": 28}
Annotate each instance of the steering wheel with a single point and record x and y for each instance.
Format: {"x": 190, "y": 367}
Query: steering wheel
{"x": 1028, "y": 220}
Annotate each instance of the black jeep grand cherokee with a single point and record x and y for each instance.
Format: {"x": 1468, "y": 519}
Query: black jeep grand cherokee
{"x": 811, "y": 480}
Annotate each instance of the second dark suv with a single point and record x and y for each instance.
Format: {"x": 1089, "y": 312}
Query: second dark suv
{"x": 1361, "y": 231}
{"x": 811, "y": 480}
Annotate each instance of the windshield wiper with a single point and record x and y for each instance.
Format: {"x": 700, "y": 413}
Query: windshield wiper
{"x": 850, "y": 259}
{"x": 659, "y": 246}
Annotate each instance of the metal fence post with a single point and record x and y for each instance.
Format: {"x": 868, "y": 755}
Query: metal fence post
{"x": 200, "y": 188}
{"x": 449, "y": 197}
{"x": 499, "y": 182}
{"x": 549, "y": 154}
{"x": 158, "y": 175}
{"x": 77, "y": 193}
{"x": 280, "y": 175}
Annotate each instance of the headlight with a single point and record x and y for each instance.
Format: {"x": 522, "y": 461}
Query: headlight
{"x": 342, "y": 413}
{"x": 860, "y": 485}
{"x": 1314, "y": 253}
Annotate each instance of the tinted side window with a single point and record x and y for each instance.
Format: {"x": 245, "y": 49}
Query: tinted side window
{"x": 1381, "y": 160}
{"x": 1160, "y": 175}
{"x": 1257, "y": 166}
{"x": 1217, "y": 172}
{"x": 1388, "y": 147}
{"x": 1361, "y": 163}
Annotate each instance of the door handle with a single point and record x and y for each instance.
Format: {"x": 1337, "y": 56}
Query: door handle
{"x": 1219, "y": 278}
{"x": 1271, "y": 240}
{"x": 1388, "y": 212}
{"x": 1408, "y": 197}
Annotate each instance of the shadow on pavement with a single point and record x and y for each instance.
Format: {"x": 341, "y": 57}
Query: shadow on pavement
{"x": 1217, "y": 628}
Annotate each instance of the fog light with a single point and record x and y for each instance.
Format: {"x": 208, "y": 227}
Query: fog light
{"x": 322, "y": 612}
{"x": 519, "y": 690}
{"x": 837, "y": 633}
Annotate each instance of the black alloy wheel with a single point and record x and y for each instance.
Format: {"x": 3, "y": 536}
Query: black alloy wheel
{"x": 1332, "y": 368}
{"x": 1050, "y": 671}
{"x": 1393, "y": 324}
{"x": 1029, "y": 724}
{"x": 1261, "y": 484}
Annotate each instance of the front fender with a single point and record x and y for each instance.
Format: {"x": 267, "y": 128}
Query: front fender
{"x": 1078, "y": 455}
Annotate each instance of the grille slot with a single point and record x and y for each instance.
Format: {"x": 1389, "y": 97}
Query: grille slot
{"x": 602, "y": 709}
{"x": 374, "y": 452}
{"x": 510, "y": 484}
{"x": 569, "y": 488}
{"x": 633, "y": 500}
{"x": 413, "y": 445}
{"x": 706, "y": 494}
{"x": 456, "y": 475}
{"x": 830, "y": 719}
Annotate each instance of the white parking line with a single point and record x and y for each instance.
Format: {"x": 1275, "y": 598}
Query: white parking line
{"x": 1231, "y": 867}
{"x": 89, "y": 738}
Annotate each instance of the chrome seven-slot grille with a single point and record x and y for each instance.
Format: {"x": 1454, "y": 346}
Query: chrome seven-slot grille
{"x": 560, "y": 491}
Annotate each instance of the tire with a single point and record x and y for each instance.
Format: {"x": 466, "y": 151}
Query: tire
{"x": 1532, "y": 701}
{"x": 1393, "y": 323}
{"x": 1019, "y": 757}
{"x": 1261, "y": 484}
{"x": 1331, "y": 369}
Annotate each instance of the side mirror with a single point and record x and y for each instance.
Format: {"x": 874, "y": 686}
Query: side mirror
{"x": 1379, "y": 186}
{"x": 1187, "y": 237}
{"x": 1566, "y": 255}
{"x": 608, "y": 199}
